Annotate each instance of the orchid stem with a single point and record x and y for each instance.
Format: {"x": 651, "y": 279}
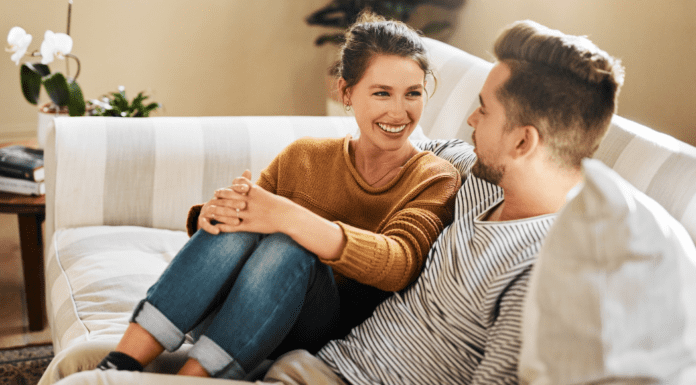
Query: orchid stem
{"x": 77, "y": 61}
{"x": 67, "y": 65}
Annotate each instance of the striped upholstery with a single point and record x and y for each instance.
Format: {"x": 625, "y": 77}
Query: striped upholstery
{"x": 147, "y": 172}
{"x": 659, "y": 165}
{"x": 118, "y": 189}
{"x": 460, "y": 77}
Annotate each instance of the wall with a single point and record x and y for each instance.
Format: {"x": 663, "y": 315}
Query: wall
{"x": 205, "y": 57}
{"x": 655, "y": 39}
{"x": 234, "y": 57}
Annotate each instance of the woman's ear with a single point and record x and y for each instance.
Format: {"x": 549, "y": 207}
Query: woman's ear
{"x": 345, "y": 95}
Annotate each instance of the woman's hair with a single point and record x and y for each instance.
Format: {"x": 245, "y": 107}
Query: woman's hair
{"x": 372, "y": 35}
{"x": 563, "y": 85}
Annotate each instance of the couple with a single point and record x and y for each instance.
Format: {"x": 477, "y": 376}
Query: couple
{"x": 456, "y": 311}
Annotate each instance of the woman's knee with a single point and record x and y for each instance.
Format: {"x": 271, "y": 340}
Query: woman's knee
{"x": 205, "y": 244}
{"x": 280, "y": 253}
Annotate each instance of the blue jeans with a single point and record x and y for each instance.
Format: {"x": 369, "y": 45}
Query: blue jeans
{"x": 245, "y": 294}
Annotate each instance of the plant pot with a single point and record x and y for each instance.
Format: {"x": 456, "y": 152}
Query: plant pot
{"x": 47, "y": 112}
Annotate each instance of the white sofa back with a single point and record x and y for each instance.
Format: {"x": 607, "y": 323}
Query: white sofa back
{"x": 148, "y": 171}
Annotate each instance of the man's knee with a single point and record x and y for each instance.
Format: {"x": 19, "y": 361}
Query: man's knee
{"x": 300, "y": 367}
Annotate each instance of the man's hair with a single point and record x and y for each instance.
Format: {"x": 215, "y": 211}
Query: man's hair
{"x": 563, "y": 85}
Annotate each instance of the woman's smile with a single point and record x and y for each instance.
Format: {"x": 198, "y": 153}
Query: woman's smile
{"x": 392, "y": 128}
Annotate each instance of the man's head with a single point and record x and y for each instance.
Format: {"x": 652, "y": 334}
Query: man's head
{"x": 561, "y": 85}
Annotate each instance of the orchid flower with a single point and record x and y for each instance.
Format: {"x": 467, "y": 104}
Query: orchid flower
{"x": 63, "y": 90}
{"x": 19, "y": 41}
{"x": 55, "y": 44}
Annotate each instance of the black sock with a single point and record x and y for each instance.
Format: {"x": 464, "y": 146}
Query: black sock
{"x": 120, "y": 361}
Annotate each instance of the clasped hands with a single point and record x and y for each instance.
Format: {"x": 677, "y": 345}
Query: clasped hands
{"x": 243, "y": 206}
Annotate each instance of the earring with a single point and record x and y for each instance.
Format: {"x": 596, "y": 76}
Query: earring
{"x": 346, "y": 107}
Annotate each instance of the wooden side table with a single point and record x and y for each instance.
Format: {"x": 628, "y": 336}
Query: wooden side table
{"x": 31, "y": 212}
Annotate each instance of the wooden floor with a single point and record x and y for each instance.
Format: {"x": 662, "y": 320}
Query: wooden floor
{"x": 14, "y": 330}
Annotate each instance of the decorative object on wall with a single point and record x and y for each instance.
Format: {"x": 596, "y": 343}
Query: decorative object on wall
{"x": 117, "y": 105}
{"x": 342, "y": 13}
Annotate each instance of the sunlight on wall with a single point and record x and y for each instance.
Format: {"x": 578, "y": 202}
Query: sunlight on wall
{"x": 655, "y": 39}
{"x": 208, "y": 57}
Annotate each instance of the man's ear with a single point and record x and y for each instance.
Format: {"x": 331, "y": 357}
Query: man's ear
{"x": 527, "y": 139}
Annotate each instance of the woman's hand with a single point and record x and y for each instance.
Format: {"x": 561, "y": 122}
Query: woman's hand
{"x": 221, "y": 211}
{"x": 245, "y": 206}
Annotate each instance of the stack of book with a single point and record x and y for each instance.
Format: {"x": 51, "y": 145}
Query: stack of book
{"x": 22, "y": 170}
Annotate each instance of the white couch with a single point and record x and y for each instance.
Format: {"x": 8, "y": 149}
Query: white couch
{"x": 118, "y": 191}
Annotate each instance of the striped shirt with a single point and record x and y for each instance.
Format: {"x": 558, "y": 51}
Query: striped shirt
{"x": 459, "y": 323}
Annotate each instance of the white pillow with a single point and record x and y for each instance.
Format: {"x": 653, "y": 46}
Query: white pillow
{"x": 612, "y": 297}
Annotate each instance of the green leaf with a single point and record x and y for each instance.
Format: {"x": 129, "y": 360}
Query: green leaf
{"x": 30, "y": 77}
{"x": 57, "y": 88}
{"x": 435, "y": 28}
{"x": 120, "y": 102}
{"x": 76, "y": 106}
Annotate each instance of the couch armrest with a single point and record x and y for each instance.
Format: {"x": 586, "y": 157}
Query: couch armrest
{"x": 149, "y": 171}
{"x": 657, "y": 164}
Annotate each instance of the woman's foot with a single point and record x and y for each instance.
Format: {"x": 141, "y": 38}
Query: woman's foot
{"x": 120, "y": 361}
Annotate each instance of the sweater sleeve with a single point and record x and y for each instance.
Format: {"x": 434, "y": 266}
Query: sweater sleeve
{"x": 393, "y": 258}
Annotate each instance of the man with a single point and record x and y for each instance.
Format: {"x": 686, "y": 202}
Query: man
{"x": 545, "y": 106}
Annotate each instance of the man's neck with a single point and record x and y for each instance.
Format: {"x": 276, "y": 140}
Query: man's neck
{"x": 526, "y": 200}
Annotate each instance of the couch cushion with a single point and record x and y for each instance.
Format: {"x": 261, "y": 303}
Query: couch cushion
{"x": 612, "y": 293}
{"x": 657, "y": 164}
{"x": 460, "y": 76}
{"x": 96, "y": 275}
{"x": 148, "y": 172}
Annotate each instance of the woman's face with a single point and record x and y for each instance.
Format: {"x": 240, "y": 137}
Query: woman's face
{"x": 388, "y": 101}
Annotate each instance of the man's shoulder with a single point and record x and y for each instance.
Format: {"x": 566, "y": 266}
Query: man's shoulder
{"x": 457, "y": 152}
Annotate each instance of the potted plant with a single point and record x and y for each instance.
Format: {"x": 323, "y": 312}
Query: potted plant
{"x": 343, "y": 13}
{"x": 63, "y": 90}
{"x": 118, "y": 105}
{"x": 65, "y": 93}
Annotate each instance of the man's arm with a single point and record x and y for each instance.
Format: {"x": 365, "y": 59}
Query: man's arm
{"x": 499, "y": 363}
{"x": 456, "y": 151}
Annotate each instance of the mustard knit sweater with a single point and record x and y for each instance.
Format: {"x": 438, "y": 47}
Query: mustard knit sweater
{"x": 388, "y": 230}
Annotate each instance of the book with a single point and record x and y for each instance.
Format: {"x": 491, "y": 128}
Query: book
{"x": 22, "y": 186}
{"x": 22, "y": 162}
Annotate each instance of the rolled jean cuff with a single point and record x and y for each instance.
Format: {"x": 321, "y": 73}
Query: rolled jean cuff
{"x": 158, "y": 325}
{"x": 215, "y": 360}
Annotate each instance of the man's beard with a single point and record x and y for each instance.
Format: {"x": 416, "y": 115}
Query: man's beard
{"x": 491, "y": 174}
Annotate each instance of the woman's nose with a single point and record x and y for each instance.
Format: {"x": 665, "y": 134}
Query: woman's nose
{"x": 397, "y": 106}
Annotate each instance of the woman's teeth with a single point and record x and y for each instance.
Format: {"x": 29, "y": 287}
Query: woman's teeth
{"x": 393, "y": 129}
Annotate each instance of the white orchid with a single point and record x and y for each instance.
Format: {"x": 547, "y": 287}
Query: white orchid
{"x": 19, "y": 41}
{"x": 62, "y": 89}
{"x": 55, "y": 44}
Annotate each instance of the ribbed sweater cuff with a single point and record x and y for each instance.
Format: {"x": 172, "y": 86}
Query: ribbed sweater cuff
{"x": 366, "y": 257}
{"x": 192, "y": 219}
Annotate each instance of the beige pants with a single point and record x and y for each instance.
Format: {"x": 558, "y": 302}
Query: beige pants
{"x": 294, "y": 368}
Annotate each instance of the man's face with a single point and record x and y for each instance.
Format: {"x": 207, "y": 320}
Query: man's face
{"x": 489, "y": 121}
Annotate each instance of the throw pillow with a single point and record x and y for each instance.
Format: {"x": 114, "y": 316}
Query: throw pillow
{"x": 612, "y": 297}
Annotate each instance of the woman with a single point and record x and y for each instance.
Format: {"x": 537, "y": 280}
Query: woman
{"x": 309, "y": 250}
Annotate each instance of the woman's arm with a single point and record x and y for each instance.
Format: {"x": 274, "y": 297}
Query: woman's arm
{"x": 261, "y": 211}
{"x": 394, "y": 257}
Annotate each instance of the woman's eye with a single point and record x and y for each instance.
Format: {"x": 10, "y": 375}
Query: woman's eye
{"x": 414, "y": 94}
{"x": 381, "y": 93}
